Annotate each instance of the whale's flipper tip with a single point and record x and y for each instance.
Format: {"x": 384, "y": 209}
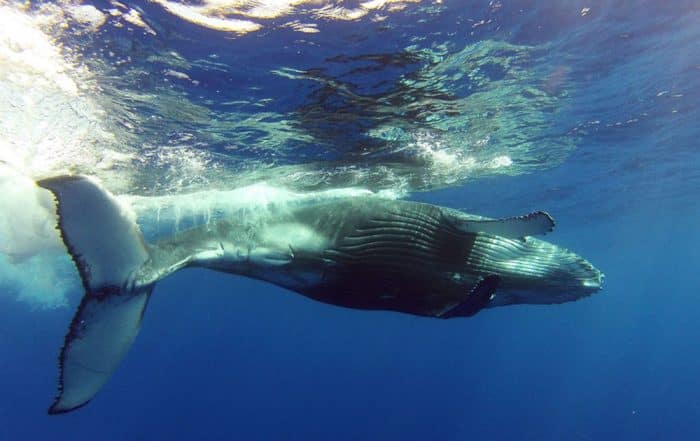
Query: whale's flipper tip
{"x": 477, "y": 299}
{"x": 107, "y": 248}
{"x": 533, "y": 224}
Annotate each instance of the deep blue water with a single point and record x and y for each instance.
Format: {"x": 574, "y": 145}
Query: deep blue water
{"x": 224, "y": 357}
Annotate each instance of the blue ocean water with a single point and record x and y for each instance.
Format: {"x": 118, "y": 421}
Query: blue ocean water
{"x": 594, "y": 103}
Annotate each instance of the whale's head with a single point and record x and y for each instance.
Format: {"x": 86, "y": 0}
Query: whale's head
{"x": 534, "y": 271}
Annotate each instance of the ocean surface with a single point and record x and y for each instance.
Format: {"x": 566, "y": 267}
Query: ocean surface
{"x": 586, "y": 109}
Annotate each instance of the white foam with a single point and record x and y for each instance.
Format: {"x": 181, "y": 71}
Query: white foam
{"x": 501, "y": 161}
{"x": 43, "y": 281}
{"x": 27, "y": 223}
{"x": 48, "y": 124}
{"x": 28, "y": 56}
{"x": 221, "y": 14}
{"x": 88, "y": 15}
{"x": 34, "y": 265}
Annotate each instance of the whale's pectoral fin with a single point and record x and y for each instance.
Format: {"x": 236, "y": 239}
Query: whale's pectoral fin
{"x": 477, "y": 299}
{"x": 269, "y": 257}
{"x": 108, "y": 250}
{"x": 533, "y": 224}
{"x": 103, "y": 329}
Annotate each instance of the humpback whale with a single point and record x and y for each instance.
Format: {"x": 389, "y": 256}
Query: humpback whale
{"x": 362, "y": 252}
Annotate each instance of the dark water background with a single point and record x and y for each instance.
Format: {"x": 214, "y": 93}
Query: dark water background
{"x": 223, "y": 357}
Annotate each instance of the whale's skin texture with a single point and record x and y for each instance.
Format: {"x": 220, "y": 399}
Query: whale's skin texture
{"x": 372, "y": 253}
{"x": 353, "y": 250}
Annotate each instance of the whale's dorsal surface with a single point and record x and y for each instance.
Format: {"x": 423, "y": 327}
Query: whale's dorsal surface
{"x": 358, "y": 251}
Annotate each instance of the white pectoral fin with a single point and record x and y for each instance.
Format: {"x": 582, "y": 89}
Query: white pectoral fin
{"x": 103, "y": 329}
{"x": 533, "y": 224}
{"x": 271, "y": 257}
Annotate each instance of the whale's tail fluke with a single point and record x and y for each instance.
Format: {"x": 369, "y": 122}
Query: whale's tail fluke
{"x": 106, "y": 245}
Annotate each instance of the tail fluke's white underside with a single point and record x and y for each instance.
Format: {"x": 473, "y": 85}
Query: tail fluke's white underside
{"x": 107, "y": 248}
